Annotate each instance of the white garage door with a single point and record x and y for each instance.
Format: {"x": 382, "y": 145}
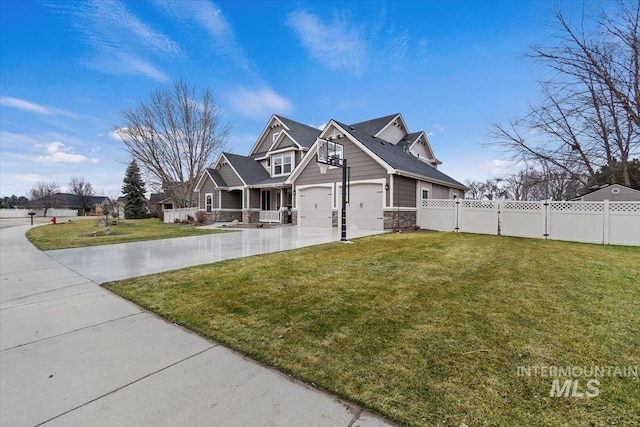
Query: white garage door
{"x": 364, "y": 210}
{"x": 315, "y": 207}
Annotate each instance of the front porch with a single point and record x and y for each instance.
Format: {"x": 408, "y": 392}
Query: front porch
{"x": 275, "y": 205}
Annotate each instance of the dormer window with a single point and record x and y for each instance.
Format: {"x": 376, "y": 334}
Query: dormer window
{"x": 282, "y": 164}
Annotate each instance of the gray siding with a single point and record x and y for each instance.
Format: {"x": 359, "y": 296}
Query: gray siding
{"x": 285, "y": 143}
{"x": 254, "y": 198}
{"x": 207, "y": 187}
{"x": 404, "y": 191}
{"x": 625, "y": 195}
{"x": 267, "y": 141}
{"x": 439, "y": 192}
{"x": 362, "y": 167}
{"x": 231, "y": 199}
{"x": 230, "y": 176}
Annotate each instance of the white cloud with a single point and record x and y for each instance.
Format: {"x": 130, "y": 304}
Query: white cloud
{"x": 337, "y": 44}
{"x": 22, "y": 104}
{"x": 208, "y": 15}
{"x": 56, "y": 152}
{"x": 499, "y": 167}
{"x": 258, "y": 103}
{"x": 120, "y": 42}
{"x": 32, "y": 177}
{"x": 321, "y": 126}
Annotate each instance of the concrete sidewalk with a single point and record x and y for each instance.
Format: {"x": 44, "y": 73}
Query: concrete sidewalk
{"x": 73, "y": 354}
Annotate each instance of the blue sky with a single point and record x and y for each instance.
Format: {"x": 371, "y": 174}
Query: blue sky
{"x": 67, "y": 70}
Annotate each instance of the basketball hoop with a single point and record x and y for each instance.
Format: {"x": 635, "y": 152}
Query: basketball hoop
{"x": 322, "y": 157}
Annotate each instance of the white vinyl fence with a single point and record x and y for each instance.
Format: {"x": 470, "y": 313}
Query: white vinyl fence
{"x": 170, "y": 215}
{"x": 24, "y": 213}
{"x": 615, "y": 223}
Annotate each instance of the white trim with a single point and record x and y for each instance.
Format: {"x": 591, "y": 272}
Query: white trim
{"x": 302, "y": 187}
{"x": 431, "y": 180}
{"x": 279, "y": 139}
{"x": 265, "y": 130}
{"x": 206, "y": 171}
{"x": 399, "y": 116}
{"x": 282, "y": 156}
{"x": 205, "y": 202}
{"x": 428, "y": 147}
{"x": 231, "y": 165}
{"x": 380, "y": 181}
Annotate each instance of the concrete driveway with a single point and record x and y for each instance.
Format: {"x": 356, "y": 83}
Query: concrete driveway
{"x": 114, "y": 262}
{"x": 74, "y": 354}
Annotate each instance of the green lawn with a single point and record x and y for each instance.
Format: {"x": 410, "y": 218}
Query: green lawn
{"x": 79, "y": 233}
{"x": 427, "y": 328}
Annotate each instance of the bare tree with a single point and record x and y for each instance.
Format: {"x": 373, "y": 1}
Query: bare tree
{"x": 44, "y": 195}
{"x": 174, "y": 136}
{"x": 590, "y": 115}
{"x": 83, "y": 192}
{"x": 491, "y": 189}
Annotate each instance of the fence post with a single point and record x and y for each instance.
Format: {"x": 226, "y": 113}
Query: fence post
{"x": 498, "y": 210}
{"x": 605, "y": 222}
{"x": 456, "y": 210}
{"x": 547, "y": 217}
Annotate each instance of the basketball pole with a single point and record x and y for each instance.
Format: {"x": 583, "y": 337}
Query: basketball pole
{"x": 343, "y": 237}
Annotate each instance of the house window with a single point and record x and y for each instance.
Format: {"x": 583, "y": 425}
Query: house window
{"x": 265, "y": 200}
{"x": 425, "y": 194}
{"x": 282, "y": 164}
{"x": 209, "y": 202}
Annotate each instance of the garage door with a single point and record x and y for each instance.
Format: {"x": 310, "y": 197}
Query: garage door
{"x": 364, "y": 210}
{"x": 315, "y": 207}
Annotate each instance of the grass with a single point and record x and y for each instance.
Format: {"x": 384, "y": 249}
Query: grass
{"x": 79, "y": 233}
{"x": 427, "y": 328}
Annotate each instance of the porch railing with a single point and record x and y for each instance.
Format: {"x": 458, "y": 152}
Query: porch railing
{"x": 270, "y": 216}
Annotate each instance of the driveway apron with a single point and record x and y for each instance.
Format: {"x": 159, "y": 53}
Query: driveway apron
{"x": 74, "y": 354}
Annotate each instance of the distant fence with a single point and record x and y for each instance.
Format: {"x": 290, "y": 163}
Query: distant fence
{"x": 24, "y": 213}
{"x": 170, "y": 215}
{"x": 615, "y": 223}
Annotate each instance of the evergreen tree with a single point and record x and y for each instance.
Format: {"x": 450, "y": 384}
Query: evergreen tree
{"x": 135, "y": 204}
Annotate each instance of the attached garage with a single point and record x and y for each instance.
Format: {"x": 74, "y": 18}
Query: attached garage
{"x": 364, "y": 210}
{"x": 315, "y": 207}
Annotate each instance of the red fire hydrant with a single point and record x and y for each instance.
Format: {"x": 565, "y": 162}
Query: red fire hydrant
{"x": 53, "y": 220}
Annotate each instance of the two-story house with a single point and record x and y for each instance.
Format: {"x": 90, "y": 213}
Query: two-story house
{"x": 391, "y": 171}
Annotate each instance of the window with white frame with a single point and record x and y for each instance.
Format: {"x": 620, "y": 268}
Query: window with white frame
{"x": 425, "y": 194}
{"x": 209, "y": 202}
{"x": 282, "y": 164}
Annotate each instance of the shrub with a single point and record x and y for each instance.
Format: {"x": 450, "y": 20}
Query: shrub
{"x": 201, "y": 217}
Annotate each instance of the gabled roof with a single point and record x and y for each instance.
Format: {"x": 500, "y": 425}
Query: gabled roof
{"x": 412, "y": 138}
{"x": 215, "y": 176}
{"x": 399, "y": 159}
{"x": 250, "y": 171}
{"x": 372, "y": 127}
{"x": 302, "y": 134}
{"x": 158, "y": 197}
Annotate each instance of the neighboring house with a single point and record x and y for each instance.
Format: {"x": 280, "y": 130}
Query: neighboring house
{"x": 613, "y": 193}
{"x": 391, "y": 172}
{"x": 158, "y": 202}
{"x": 95, "y": 206}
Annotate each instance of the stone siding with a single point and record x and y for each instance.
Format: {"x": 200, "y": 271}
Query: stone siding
{"x": 401, "y": 219}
